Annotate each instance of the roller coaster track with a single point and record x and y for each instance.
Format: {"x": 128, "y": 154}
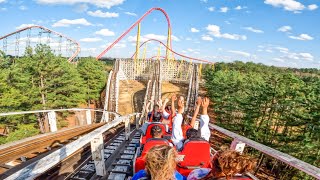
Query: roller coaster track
{"x": 179, "y": 54}
{"x": 134, "y": 25}
{"x": 70, "y": 43}
{"x": 29, "y": 149}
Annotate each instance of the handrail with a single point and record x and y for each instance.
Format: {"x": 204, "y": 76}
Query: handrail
{"x": 37, "y": 168}
{"x": 292, "y": 161}
{"x": 55, "y": 110}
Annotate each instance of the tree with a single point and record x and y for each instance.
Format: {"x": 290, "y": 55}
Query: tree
{"x": 92, "y": 71}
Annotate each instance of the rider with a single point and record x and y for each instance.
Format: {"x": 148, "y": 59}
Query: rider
{"x": 160, "y": 165}
{"x": 177, "y": 133}
{"x": 225, "y": 166}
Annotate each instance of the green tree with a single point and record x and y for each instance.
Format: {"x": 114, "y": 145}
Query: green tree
{"x": 92, "y": 71}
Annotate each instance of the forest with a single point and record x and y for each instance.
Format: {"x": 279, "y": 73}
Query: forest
{"x": 41, "y": 80}
{"x": 278, "y": 107}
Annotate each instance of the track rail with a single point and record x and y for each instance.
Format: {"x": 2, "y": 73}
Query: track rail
{"x": 42, "y": 143}
{"x": 170, "y": 49}
{"x": 134, "y": 25}
{"x": 75, "y": 54}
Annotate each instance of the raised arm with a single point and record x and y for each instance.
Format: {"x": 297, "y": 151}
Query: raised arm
{"x": 173, "y": 109}
{"x": 205, "y": 104}
{"x": 204, "y": 119}
{"x": 177, "y": 135}
{"x": 148, "y": 107}
{"x": 164, "y": 104}
{"x": 196, "y": 111}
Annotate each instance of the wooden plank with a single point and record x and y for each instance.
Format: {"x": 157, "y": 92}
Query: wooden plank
{"x": 292, "y": 161}
{"x": 39, "y": 167}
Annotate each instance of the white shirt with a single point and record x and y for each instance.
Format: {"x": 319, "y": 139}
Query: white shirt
{"x": 165, "y": 114}
{"x": 204, "y": 127}
{"x": 177, "y": 135}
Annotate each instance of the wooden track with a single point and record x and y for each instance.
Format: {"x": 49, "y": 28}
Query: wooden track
{"x": 41, "y": 143}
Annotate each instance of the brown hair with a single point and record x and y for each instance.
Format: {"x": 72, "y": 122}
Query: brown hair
{"x": 156, "y": 131}
{"x": 229, "y": 163}
{"x": 161, "y": 163}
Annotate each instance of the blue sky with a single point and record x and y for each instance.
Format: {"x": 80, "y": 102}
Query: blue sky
{"x": 272, "y": 32}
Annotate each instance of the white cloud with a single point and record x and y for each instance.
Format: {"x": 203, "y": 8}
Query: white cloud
{"x": 24, "y": 25}
{"x": 253, "y": 30}
{"x": 224, "y": 9}
{"x": 205, "y": 1}
{"x": 99, "y": 3}
{"x": 211, "y": 9}
{"x": 130, "y": 13}
{"x": 99, "y": 13}
{"x": 288, "y": 5}
{"x": 302, "y": 37}
{"x": 206, "y": 38}
{"x": 241, "y": 53}
{"x": 285, "y": 29}
{"x": 1, "y": 1}
{"x": 306, "y": 56}
{"x": 67, "y": 22}
{"x": 239, "y": 8}
{"x": 282, "y": 49}
{"x": 81, "y": 8}
{"x": 23, "y": 8}
{"x": 152, "y": 36}
{"x": 278, "y": 59}
{"x": 312, "y": 7}
{"x": 194, "y": 30}
{"x": 188, "y": 39}
{"x": 90, "y": 39}
{"x": 105, "y": 32}
{"x": 215, "y": 31}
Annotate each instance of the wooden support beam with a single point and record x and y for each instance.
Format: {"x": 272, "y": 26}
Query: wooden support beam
{"x": 52, "y": 121}
{"x": 88, "y": 117}
{"x": 98, "y": 155}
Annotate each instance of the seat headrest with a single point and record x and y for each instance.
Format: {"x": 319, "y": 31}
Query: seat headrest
{"x": 157, "y": 139}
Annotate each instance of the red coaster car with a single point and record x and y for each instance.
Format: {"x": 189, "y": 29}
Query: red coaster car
{"x": 139, "y": 163}
{"x": 196, "y": 154}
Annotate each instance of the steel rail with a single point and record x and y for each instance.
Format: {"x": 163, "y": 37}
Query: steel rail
{"x": 75, "y": 54}
{"x": 196, "y": 59}
{"x": 134, "y": 25}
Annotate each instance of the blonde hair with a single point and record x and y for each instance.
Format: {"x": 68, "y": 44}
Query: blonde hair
{"x": 232, "y": 162}
{"x": 161, "y": 163}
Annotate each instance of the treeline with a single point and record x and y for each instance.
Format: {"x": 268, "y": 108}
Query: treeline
{"x": 41, "y": 80}
{"x": 278, "y": 107}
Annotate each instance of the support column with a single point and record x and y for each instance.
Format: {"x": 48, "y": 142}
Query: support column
{"x": 137, "y": 45}
{"x": 52, "y": 121}
{"x": 237, "y": 146}
{"x": 127, "y": 127}
{"x": 137, "y": 121}
{"x": 88, "y": 116}
{"x": 98, "y": 155}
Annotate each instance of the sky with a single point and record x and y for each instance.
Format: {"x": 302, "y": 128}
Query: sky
{"x": 282, "y": 33}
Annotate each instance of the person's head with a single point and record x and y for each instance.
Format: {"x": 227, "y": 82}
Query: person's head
{"x": 230, "y": 162}
{"x": 161, "y": 163}
{"x": 168, "y": 108}
{"x": 156, "y": 108}
{"x": 192, "y": 133}
{"x": 156, "y": 131}
{"x": 156, "y": 117}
